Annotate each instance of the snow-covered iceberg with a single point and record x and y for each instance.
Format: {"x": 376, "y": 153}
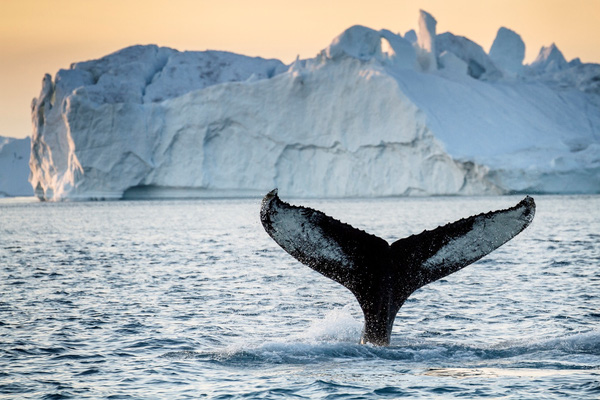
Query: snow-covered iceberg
{"x": 374, "y": 114}
{"x": 14, "y": 167}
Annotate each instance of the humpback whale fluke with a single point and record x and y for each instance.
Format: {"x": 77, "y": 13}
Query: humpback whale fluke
{"x": 382, "y": 276}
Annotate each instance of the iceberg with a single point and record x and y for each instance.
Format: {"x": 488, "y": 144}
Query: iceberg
{"x": 373, "y": 114}
{"x": 14, "y": 167}
{"x": 550, "y": 59}
{"x": 508, "y": 51}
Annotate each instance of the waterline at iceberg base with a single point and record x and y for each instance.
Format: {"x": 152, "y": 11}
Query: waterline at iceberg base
{"x": 374, "y": 114}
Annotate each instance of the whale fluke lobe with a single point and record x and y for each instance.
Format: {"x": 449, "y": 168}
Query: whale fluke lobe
{"x": 383, "y": 276}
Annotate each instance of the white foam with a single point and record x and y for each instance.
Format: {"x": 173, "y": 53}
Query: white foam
{"x": 338, "y": 325}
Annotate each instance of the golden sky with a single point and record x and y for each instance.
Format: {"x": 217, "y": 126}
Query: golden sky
{"x": 42, "y": 36}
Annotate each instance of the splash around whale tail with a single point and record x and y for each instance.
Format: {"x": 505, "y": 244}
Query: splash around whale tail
{"x": 382, "y": 276}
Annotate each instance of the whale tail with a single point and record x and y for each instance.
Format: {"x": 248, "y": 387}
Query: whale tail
{"x": 382, "y": 276}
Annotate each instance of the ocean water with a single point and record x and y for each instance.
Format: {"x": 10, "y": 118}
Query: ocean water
{"x": 192, "y": 299}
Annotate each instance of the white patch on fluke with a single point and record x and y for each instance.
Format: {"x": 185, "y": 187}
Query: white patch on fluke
{"x": 488, "y": 233}
{"x": 294, "y": 231}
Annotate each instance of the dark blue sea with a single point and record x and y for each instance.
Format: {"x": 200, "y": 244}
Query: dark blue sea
{"x": 191, "y": 299}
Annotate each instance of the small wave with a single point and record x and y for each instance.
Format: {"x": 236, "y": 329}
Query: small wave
{"x": 299, "y": 352}
{"x": 586, "y": 343}
{"x": 562, "y": 348}
{"x": 90, "y": 371}
{"x": 295, "y": 351}
{"x": 281, "y": 353}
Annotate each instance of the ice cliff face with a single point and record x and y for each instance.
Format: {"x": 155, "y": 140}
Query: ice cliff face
{"x": 14, "y": 167}
{"x": 374, "y": 114}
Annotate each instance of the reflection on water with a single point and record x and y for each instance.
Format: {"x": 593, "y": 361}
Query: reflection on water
{"x": 503, "y": 372}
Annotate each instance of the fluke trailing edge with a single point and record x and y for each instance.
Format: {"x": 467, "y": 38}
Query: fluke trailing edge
{"x": 380, "y": 275}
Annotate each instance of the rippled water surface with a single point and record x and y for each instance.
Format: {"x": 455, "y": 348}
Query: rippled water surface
{"x": 192, "y": 299}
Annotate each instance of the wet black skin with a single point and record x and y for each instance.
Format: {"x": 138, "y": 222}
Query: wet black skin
{"x": 383, "y": 276}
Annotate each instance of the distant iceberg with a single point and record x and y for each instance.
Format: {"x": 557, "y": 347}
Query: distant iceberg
{"x": 14, "y": 167}
{"x": 373, "y": 114}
